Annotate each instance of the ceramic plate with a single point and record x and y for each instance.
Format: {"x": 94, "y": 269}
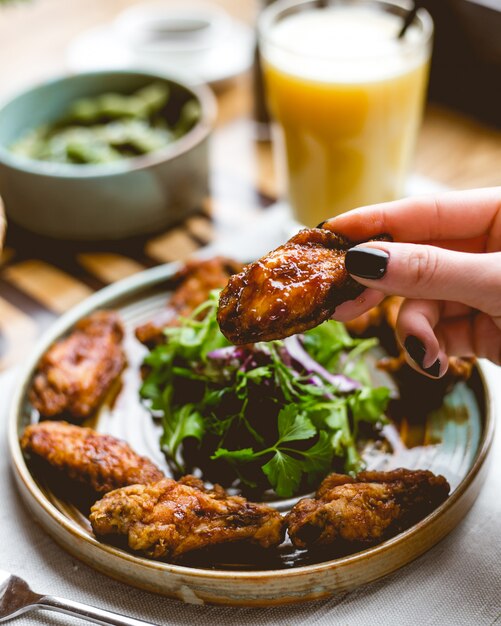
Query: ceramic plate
{"x": 451, "y": 437}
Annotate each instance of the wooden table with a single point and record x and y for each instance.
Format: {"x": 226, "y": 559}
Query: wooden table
{"x": 39, "y": 282}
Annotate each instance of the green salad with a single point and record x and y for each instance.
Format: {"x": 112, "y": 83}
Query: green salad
{"x": 110, "y": 127}
{"x": 280, "y": 414}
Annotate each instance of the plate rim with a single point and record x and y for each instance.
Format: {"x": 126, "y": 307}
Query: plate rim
{"x": 128, "y": 287}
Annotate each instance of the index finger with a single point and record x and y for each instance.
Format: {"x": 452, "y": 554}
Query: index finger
{"x": 452, "y": 215}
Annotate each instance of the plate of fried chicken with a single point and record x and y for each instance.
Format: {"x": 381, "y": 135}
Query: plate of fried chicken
{"x": 87, "y": 461}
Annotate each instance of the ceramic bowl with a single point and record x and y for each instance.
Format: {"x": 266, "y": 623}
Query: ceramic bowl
{"x": 88, "y": 202}
{"x": 457, "y": 438}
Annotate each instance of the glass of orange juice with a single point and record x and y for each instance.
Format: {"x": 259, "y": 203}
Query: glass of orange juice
{"x": 348, "y": 96}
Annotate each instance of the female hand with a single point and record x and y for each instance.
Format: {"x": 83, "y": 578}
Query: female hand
{"x": 445, "y": 260}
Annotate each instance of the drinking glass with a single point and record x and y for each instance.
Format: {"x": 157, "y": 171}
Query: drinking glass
{"x": 347, "y": 94}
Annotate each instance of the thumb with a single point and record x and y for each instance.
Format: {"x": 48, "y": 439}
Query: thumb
{"x": 430, "y": 272}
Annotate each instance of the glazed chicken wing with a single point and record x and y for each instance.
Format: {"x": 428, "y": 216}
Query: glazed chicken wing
{"x": 193, "y": 285}
{"x": 368, "y": 509}
{"x": 100, "y": 461}
{"x": 74, "y": 375}
{"x": 172, "y": 517}
{"x": 385, "y": 315}
{"x": 291, "y": 289}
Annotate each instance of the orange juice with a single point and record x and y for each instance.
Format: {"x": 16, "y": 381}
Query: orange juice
{"x": 348, "y": 97}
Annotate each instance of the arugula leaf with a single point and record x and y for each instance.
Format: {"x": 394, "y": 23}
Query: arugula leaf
{"x": 331, "y": 345}
{"x": 293, "y": 426}
{"x": 333, "y": 414}
{"x": 326, "y": 341}
{"x": 283, "y": 376}
{"x": 354, "y": 366}
{"x": 213, "y": 397}
{"x": 151, "y": 387}
{"x": 193, "y": 339}
{"x": 368, "y": 404}
{"x": 353, "y": 463}
{"x": 284, "y": 474}
{"x": 259, "y": 373}
{"x": 339, "y": 442}
{"x": 332, "y": 420}
{"x": 244, "y": 455}
{"x": 162, "y": 355}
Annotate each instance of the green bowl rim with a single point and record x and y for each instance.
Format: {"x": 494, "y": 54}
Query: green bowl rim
{"x": 193, "y": 137}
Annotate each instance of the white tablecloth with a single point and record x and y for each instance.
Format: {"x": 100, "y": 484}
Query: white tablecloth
{"x": 457, "y": 583}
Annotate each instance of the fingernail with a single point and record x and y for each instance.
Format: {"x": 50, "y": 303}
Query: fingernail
{"x": 321, "y": 225}
{"x": 415, "y": 349}
{"x": 367, "y": 262}
{"x": 433, "y": 370}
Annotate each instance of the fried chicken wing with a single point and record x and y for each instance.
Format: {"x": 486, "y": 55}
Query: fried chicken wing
{"x": 74, "y": 375}
{"x": 100, "y": 461}
{"x": 385, "y": 315}
{"x": 170, "y": 518}
{"x": 291, "y": 289}
{"x": 385, "y": 312}
{"x": 368, "y": 509}
{"x": 193, "y": 284}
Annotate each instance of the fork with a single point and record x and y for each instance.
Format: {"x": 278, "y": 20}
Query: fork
{"x": 17, "y": 598}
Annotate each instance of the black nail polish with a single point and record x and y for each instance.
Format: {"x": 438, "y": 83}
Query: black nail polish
{"x": 321, "y": 225}
{"x": 433, "y": 370}
{"x": 415, "y": 349}
{"x": 367, "y": 262}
